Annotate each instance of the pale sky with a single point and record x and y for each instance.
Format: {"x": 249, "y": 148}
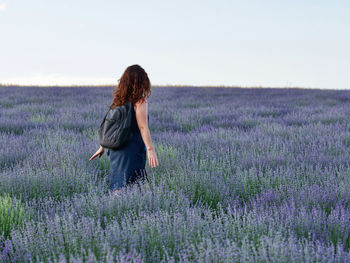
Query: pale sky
{"x": 295, "y": 43}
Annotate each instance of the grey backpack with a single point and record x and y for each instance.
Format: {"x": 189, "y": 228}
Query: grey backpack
{"x": 115, "y": 130}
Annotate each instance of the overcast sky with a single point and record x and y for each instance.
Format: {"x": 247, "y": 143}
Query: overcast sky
{"x": 219, "y": 42}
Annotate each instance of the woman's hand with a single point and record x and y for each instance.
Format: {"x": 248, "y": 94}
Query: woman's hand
{"x": 152, "y": 158}
{"x": 99, "y": 153}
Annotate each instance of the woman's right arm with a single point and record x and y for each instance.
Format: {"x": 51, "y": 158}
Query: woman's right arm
{"x": 141, "y": 110}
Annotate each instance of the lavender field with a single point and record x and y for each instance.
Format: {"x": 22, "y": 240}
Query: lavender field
{"x": 244, "y": 175}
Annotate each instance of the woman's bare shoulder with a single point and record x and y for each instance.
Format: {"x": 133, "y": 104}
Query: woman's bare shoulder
{"x": 141, "y": 102}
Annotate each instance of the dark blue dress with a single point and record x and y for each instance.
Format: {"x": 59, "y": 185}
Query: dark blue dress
{"x": 127, "y": 165}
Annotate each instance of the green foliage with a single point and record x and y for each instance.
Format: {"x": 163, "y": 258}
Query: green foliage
{"x": 12, "y": 214}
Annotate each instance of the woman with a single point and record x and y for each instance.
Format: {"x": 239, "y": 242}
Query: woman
{"x": 128, "y": 163}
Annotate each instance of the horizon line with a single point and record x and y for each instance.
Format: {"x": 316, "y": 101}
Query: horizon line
{"x": 163, "y": 85}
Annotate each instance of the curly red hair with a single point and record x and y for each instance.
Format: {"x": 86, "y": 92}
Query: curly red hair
{"x": 133, "y": 86}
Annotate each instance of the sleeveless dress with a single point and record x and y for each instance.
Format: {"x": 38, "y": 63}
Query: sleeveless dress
{"x": 127, "y": 165}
